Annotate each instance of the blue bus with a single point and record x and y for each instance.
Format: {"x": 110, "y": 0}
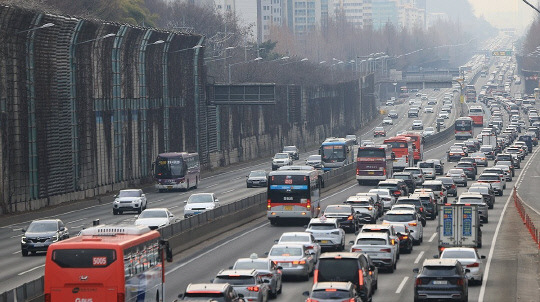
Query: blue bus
{"x": 336, "y": 152}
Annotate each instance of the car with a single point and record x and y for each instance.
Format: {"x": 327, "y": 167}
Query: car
{"x": 327, "y": 233}
{"x": 440, "y": 121}
{"x": 387, "y": 121}
{"x": 439, "y": 165}
{"x": 450, "y": 185}
{"x": 386, "y": 197}
{"x": 344, "y": 213}
{"x": 414, "y": 200}
{"x": 469, "y": 258}
{"x": 439, "y": 279}
{"x": 458, "y": 175}
{"x": 417, "y": 125}
{"x": 438, "y": 189}
{"x": 515, "y": 164}
{"x": 429, "y": 202}
{"x": 428, "y": 169}
{"x": 367, "y": 142}
{"x": 478, "y": 200}
{"x": 432, "y": 101}
{"x": 389, "y": 103}
{"x": 155, "y": 218}
{"x": 499, "y": 171}
{"x": 397, "y": 186}
{"x": 281, "y": 159}
{"x": 507, "y": 171}
{"x": 223, "y": 292}
{"x": 305, "y": 238}
{"x": 444, "y": 115}
{"x": 393, "y": 114}
{"x": 257, "y": 178}
{"x": 199, "y": 203}
{"x": 428, "y": 131}
{"x": 356, "y": 268}
{"x": 295, "y": 259}
{"x": 387, "y": 229}
{"x": 332, "y": 291}
{"x": 428, "y": 109}
{"x": 408, "y": 218}
{"x": 293, "y": 151}
{"x": 455, "y": 153}
{"x": 129, "y": 200}
{"x": 246, "y": 282}
{"x": 480, "y": 158}
{"x": 379, "y": 131}
{"x": 488, "y": 151}
{"x": 408, "y": 178}
{"x": 315, "y": 161}
{"x": 468, "y": 168}
{"x": 267, "y": 269}
{"x": 382, "y": 250}
{"x": 377, "y": 202}
{"x": 494, "y": 179}
{"x": 352, "y": 137}
{"x": 42, "y": 233}
{"x": 413, "y": 112}
{"x": 416, "y": 173}
{"x": 487, "y": 193}
{"x": 364, "y": 207}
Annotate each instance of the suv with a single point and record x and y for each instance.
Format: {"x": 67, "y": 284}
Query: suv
{"x": 327, "y": 233}
{"x": 344, "y": 214}
{"x": 494, "y": 179}
{"x": 487, "y": 193}
{"x": 414, "y": 200}
{"x": 397, "y": 186}
{"x": 439, "y": 165}
{"x": 468, "y": 168}
{"x": 408, "y": 218}
{"x": 408, "y": 178}
{"x": 364, "y": 208}
{"x": 200, "y": 202}
{"x": 129, "y": 200}
{"x": 475, "y": 199}
{"x": 438, "y": 189}
{"x": 413, "y": 112}
{"x": 266, "y": 268}
{"x": 347, "y": 267}
{"x": 246, "y": 282}
{"x": 441, "y": 278}
{"x": 428, "y": 169}
{"x": 281, "y": 159}
{"x": 210, "y": 292}
{"x": 510, "y": 158}
{"x": 416, "y": 173}
{"x": 382, "y": 250}
{"x": 382, "y": 228}
{"x": 450, "y": 185}
{"x": 429, "y": 203}
{"x": 417, "y": 125}
{"x": 330, "y": 291}
{"x": 42, "y": 233}
{"x": 293, "y": 151}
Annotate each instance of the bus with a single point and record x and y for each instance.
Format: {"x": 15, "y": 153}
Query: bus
{"x": 293, "y": 195}
{"x": 476, "y": 113}
{"x": 418, "y": 145}
{"x": 402, "y": 147}
{"x": 107, "y": 263}
{"x": 176, "y": 170}
{"x": 374, "y": 163}
{"x": 470, "y": 94}
{"x": 336, "y": 152}
{"x": 463, "y": 128}
{"x": 536, "y": 92}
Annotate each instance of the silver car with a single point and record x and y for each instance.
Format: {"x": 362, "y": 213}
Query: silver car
{"x": 327, "y": 233}
{"x": 246, "y": 282}
{"x": 458, "y": 175}
{"x": 408, "y": 218}
{"x": 269, "y": 271}
{"x": 257, "y": 178}
{"x": 480, "y": 158}
{"x": 416, "y": 173}
{"x": 469, "y": 258}
{"x": 295, "y": 259}
{"x": 304, "y": 238}
{"x": 315, "y": 161}
{"x": 475, "y": 199}
{"x": 494, "y": 179}
{"x": 386, "y": 196}
{"x": 382, "y": 250}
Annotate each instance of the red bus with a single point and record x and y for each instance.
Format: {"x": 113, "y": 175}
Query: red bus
{"x": 177, "y": 170}
{"x": 463, "y": 128}
{"x": 374, "y": 163}
{"x": 107, "y": 263}
{"x": 402, "y": 147}
{"x": 418, "y": 145}
{"x": 477, "y": 115}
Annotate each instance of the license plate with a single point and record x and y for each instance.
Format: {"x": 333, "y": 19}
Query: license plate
{"x": 371, "y": 173}
{"x": 169, "y": 187}
{"x": 324, "y": 241}
{"x": 440, "y": 282}
{"x": 288, "y": 208}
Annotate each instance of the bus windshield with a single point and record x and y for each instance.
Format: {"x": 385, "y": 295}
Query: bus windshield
{"x": 169, "y": 167}
{"x": 463, "y": 126}
{"x": 379, "y": 153}
{"x": 333, "y": 153}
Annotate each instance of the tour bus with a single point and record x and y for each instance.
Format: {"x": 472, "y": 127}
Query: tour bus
{"x": 402, "y": 147}
{"x": 374, "y": 163}
{"x": 293, "y": 195}
{"x": 476, "y": 113}
{"x": 107, "y": 263}
{"x": 336, "y": 152}
{"x": 463, "y": 128}
{"x": 176, "y": 170}
{"x": 470, "y": 93}
{"x": 418, "y": 145}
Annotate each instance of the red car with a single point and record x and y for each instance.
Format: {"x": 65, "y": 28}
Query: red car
{"x": 379, "y": 131}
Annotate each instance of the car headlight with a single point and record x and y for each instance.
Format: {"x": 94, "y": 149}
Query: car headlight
{"x": 54, "y": 238}
{"x": 116, "y": 201}
{"x": 23, "y": 239}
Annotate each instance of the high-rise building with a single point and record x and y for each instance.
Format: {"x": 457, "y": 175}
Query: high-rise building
{"x": 383, "y": 12}
{"x": 302, "y": 16}
{"x": 356, "y": 12}
{"x": 269, "y": 14}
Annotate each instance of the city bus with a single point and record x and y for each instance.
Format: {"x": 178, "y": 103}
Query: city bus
{"x": 476, "y": 113}
{"x": 463, "y": 128}
{"x": 402, "y": 147}
{"x": 374, "y": 163}
{"x": 176, "y": 170}
{"x": 293, "y": 195}
{"x": 107, "y": 263}
{"x": 336, "y": 152}
{"x": 418, "y": 145}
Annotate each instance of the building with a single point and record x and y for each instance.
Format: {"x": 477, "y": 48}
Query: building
{"x": 383, "y": 12}
{"x": 302, "y": 16}
{"x": 411, "y": 16}
{"x": 356, "y": 12}
{"x": 269, "y": 14}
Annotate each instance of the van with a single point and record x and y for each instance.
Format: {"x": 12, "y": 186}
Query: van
{"x": 347, "y": 267}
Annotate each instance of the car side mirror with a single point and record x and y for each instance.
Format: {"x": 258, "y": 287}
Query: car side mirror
{"x": 23, "y": 230}
{"x": 217, "y": 200}
{"x": 351, "y": 242}
{"x": 185, "y": 201}
{"x": 435, "y": 256}
{"x": 279, "y": 267}
{"x": 305, "y": 294}
{"x": 62, "y": 229}
{"x": 482, "y": 257}
{"x": 305, "y": 226}
{"x": 136, "y": 216}
{"x": 266, "y": 281}
{"x": 372, "y": 267}
{"x": 416, "y": 270}
{"x": 266, "y": 253}
{"x": 467, "y": 270}
{"x": 411, "y": 231}
{"x": 276, "y": 241}
{"x": 230, "y": 267}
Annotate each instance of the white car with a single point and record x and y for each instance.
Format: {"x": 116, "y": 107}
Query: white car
{"x": 315, "y": 161}
{"x": 387, "y": 121}
{"x": 469, "y": 258}
{"x": 129, "y": 200}
{"x": 281, "y": 159}
{"x": 417, "y": 125}
{"x": 408, "y": 218}
{"x": 444, "y": 115}
{"x": 199, "y": 203}
{"x": 428, "y": 109}
{"x": 386, "y": 196}
{"x": 380, "y": 248}
{"x": 327, "y": 233}
{"x": 155, "y": 218}
{"x": 428, "y": 131}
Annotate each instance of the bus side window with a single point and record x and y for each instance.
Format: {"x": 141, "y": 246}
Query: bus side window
{"x": 127, "y": 264}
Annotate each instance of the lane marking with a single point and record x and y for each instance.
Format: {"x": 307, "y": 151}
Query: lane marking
{"x": 215, "y": 248}
{"x": 419, "y": 257}
{"x": 401, "y": 285}
{"x": 75, "y": 220}
{"x": 32, "y": 269}
{"x": 432, "y": 237}
{"x": 228, "y": 191}
{"x": 16, "y": 236}
{"x": 14, "y": 253}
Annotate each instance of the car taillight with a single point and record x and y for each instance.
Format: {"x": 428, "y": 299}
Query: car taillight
{"x": 386, "y": 250}
{"x": 268, "y": 202}
{"x": 356, "y": 250}
{"x": 299, "y": 262}
{"x": 360, "y": 277}
{"x": 412, "y": 223}
{"x": 397, "y": 192}
{"x": 462, "y": 154}
{"x": 253, "y": 288}
{"x": 308, "y": 206}
{"x": 309, "y": 247}
{"x": 421, "y": 209}
{"x": 120, "y": 297}
{"x": 453, "y": 186}
{"x": 460, "y": 282}
{"x": 357, "y": 171}
{"x": 370, "y": 208}
{"x": 418, "y": 281}
{"x": 403, "y": 237}
{"x": 420, "y": 176}
{"x": 441, "y": 193}
{"x": 476, "y": 264}
{"x": 384, "y": 171}
{"x": 311, "y": 300}
{"x": 350, "y": 218}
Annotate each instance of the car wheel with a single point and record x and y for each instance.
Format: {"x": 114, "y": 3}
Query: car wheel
{"x": 139, "y": 210}
{"x": 486, "y": 220}
{"x": 120, "y": 212}
{"x": 24, "y": 253}
{"x": 490, "y": 206}
{"x": 280, "y": 288}
{"x": 273, "y": 294}
{"x": 392, "y": 268}
{"x": 114, "y": 212}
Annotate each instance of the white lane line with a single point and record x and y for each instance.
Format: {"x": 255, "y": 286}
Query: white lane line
{"x": 174, "y": 207}
{"x": 401, "y": 285}
{"x": 339, "y": 192}
{"x": 214, "y": 185}
{"x": 14, "y": 253}
{"x": 432, "y": 237}
{"x": 32, "y": 269}
{"x": 162, "y": 199}
{"x": 228, "y": 191}
{"x": 213, "y": 249}
{"x": 16, "y": 236}
{"x": 17, "y": 230}
{"x": 494, "y": 240}
{"x": 419, "y": 257}
{"x": 75, "y": 221}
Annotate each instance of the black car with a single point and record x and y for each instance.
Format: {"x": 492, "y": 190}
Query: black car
{"x": 408, "y": 178}
{"x": 430, "y": 205}
{"x": 397, "y": 186}
{"x": 441, "y": 279}
{"x": 487, "y": 192}
{"x": 345, "y": 216}
{"x": 42, "y": 233}
{"x": 405, "y": 240}
{"x": 450, "y": 185}
{"x": 257, "y": 178}
{"x": 468, "y": 169}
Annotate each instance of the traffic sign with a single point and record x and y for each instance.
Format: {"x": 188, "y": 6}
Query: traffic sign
{"x": 501, "y": 53}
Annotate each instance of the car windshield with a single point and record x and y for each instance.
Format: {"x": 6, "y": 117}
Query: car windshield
{"x": 439, "y": 271}
{"x": 43, "y": 226}
{"x": 286, "y": 251}
{"x": 153, "y": 214}
{"x": 251, "y": 265}
{"x": 281, "y": 155}
{"x": 289, "y": 148}
{"x": 371, "y": 241}
{"x": 200, "y": 198}
{"x": 129, "y": 194}
{"x": 235, "y": 280}
{"x": 399, "y": 217}
{"x": 288, "y": 238}
{"x": 333, "y": 294}
{"x": 257, "y": 174}
{"x": 314, "y": 157}
{"x": 322, "y": 226}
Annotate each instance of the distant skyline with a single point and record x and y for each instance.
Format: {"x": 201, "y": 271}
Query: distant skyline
{"x": 506, "y": 13}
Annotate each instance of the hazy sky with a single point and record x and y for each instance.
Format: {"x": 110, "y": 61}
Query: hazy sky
{"x": 505, "y": 13}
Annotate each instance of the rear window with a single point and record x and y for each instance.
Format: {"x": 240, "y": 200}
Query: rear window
{"x": 218, "y": 297}
{"x": 371, "y": 241}
{"x": 399, "y": 217}
{"x": 294, "y": 239}
{"x": 488, "y": 177}
{"x": 446, "y": 180}
{"x": 471, "y": 200}
{"x": 391, "y": 187}
{"x": 439, "y": 271}
{"x": 338, "y": 270}
{"x": 235, "y": 280}
{"x": 84, "y": 258}
{"x": 331, "y": 294}
{"x": 458, "y": 254}
{"x": 426, "y": 165}
{"x": 286, "y": 251}
{"x": 433, "y": 187}
{"x": 410, "y": 201}
{"x": 337, "y": 210}
{"x": 322, "y": 226}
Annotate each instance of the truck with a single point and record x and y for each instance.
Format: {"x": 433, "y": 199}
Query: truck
{"x": 490, "y": 140}
{"x": 459, "y": 226}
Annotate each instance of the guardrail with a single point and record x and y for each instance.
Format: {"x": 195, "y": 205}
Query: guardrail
{"x": 527, "y": 220}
